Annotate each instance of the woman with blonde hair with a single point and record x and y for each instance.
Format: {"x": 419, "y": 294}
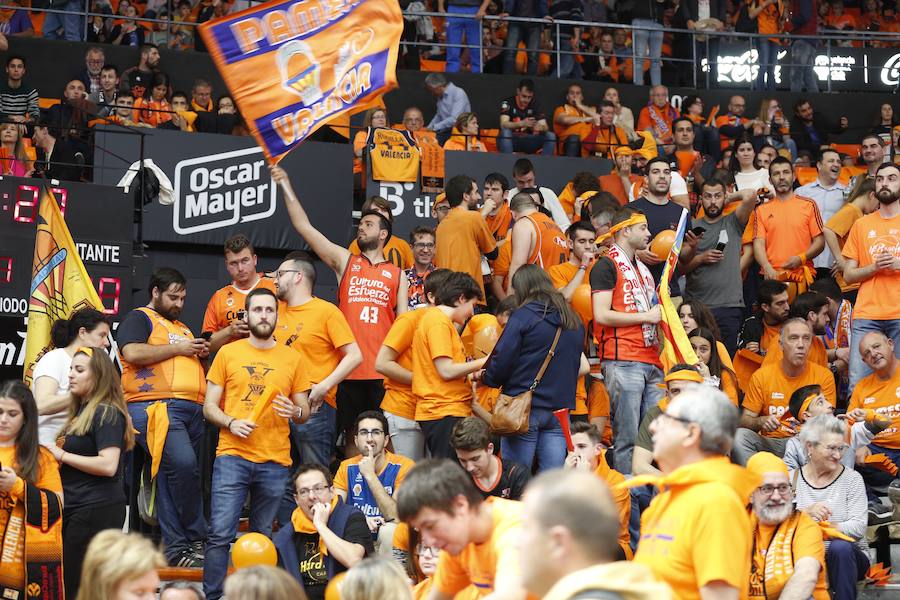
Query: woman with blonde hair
{"x": 465, "y": 134}
{"x": 375, "y": 578}
{"x": 263, "y": 583}
{"x": 120, "y": 566}
{"x": 776, "y": 129}
{"x": 14, "y": 159}
{"x": 90, "y": 452}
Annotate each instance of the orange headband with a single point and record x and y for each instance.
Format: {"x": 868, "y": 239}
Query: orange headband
{"x": 682, "y": 375}
{"x": 805, "y": 404}
{"x": 587, "y": 195}
{"x": 85, "y": 350}
{"x": 635, "y": 219}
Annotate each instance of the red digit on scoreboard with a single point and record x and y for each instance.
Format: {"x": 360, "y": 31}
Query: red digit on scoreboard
{"x": 6, "y": 267}
{"x": 61, "y": 197}
{"x": 26, "y": 203}
{"x": 110, "y": 288}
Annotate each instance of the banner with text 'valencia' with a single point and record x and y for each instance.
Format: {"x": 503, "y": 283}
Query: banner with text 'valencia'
{"x": 294, "y": 65}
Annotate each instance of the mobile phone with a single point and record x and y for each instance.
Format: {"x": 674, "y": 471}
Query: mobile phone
{"x": 720, "y": 247}
{"x": 206, "y": 335}
{"x": 241, "y": 314}
{"x": 698, "y": 231}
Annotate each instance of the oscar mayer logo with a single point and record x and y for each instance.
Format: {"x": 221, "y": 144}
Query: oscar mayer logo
{"x": 224, "y": 189}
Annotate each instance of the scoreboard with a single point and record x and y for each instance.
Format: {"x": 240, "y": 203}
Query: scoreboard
{"x": 100, "y": 220}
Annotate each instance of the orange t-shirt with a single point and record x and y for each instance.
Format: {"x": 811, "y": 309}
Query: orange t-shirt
{"x": 550, "y": 246}
{"x": 359, "y": 142}
{"x": 871, "y": 235}
{"x": 883, "y": 396}
{"x": 818, "y": 354}
{"x": 500, "y": 266}
{"x": 396, "y": 251}
{"x": 788, "y": 227}
{"x": 622, "y": 498}
{"x": 845, "y": 22}
{"x": 489, "y": 565}
{"x": 604, "y": 141}
{"x": 368, "y": 298}
{"x": 728, "y": 119}
{"x": 398, "y": 397}
{"x": 598, "y": 406}
{"x": 436, "y": 337}
{"x": 317, "y": 330}
{"x": 226, "y": 302}
{"x": 769, "y": 19}
{"x": 244, "y": 371}
{"x": 770, "y": 391}
{"x": 612, "y": 183}
{"x": 560, "y": 276}
{"x": 841, "y": 223}
{"x": 581, "y": 130}
{"x": 665, "y": 114}
{"x": 806, "y": 541}
{"x": 462, "y": 237}
{"x": 500, "y": 223}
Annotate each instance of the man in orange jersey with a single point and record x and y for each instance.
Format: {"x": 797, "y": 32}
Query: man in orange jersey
{"x": 626, "y": 311}
{"x": 872, "y": 258}
{"x": 766, "y": 424}
{"x": 567, "y": 546}
{"x": 880, "y": 392}
{"x": 463, "y": 236}
{"x": 372, "y": 292}
{"x": 759, "y": 332}
{"x": 471, "y": 440}
{"x": 788, "y": 551}
{"x": 477, "y": 536}
{"x": 439, "y": 366}
{"x": 813, "y": 308}
{"x": 394, "y": 361}
{"x": 536, "y": 239}
{"x": 261, "y": 385}
{"x": 573, "y": 120}
{"x": 567, "y": 276}
{"x": 396, "y": 249}
{"x": 224, "y": 313}
{"x": 588, "y": 454}
{"x": 733, "y": 124}
{"x": 162, "y": 373}
{"x": 787, "y": 232}
{"x": 657, "y": 118}
{"x": 605, "y": 137}
{"x": 495, "y": 208}
{"x": 695, "y": 535}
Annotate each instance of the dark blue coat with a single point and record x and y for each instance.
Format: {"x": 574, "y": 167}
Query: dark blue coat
{"x": 521, "y": 350}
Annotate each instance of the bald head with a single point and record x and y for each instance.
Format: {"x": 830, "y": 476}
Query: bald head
{"x": 877, "y": 351}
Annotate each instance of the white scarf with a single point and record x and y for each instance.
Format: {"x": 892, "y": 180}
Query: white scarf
{"x": 639, "y": 279}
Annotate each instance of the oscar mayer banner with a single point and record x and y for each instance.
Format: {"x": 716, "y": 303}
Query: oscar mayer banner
{"x": 292, "y": 66}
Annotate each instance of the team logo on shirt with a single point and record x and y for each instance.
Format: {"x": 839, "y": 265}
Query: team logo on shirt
{"x": 356, "y": 267}
{"x": 387, "y": 275}
{"x": 777, "y": 396}
{"x": 229, "y": 302}
{"x": 357, "y": 489}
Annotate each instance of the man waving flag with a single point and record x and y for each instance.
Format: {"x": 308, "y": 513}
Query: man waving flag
{"x": 676, "y": 347}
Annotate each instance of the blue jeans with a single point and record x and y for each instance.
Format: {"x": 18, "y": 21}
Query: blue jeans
{"x": 859, "y": 328}
{"x": 508, "y": 143}
{"x": 532, "y": 36}
{"x": 456, "y": 28}
{"x": 632, "y": 392}
{"x": 803, "y": 59}
{"x": 845, "y": 564}
{"x": 568, "y": 68}
{"x": 768, "y": 54}
{"x": 877, "y": 480}
{"x": 178, "y": 495}
{"x": 233, "y": 477}
{"x": 72, "y": 24}
{"x": 315, "y": 439}
{"x": 544, "y": 438}
{"x": 641, "y": 497}
{"x": 647, "y": 42}
{"x": 729, "y": 321}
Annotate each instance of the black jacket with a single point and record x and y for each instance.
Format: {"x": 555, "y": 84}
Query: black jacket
{"x": 823, "y": 128}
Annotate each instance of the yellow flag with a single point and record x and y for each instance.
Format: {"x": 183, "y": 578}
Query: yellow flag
{"x": 59, "y": 282}
{"x": 676, "y": 346}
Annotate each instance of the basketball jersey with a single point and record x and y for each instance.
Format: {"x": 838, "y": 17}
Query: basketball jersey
{"x": 550, "y": 247}
{"x": 368, "y": 299}
{"x": 226, "y": 302}
{"x": 393, "y": 155}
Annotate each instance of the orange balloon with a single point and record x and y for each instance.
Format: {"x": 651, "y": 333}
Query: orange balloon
{"x": 252, "y": 549}
{"x": 333, "y": 590}
{"x": 662, "y": 243}
{"x": 484, "y": 340}
{"x": 581, "y": 302}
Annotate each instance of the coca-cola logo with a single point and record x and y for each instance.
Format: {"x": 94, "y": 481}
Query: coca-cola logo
{"x": 890, "y": 72}
{"x": 744, "y": 68}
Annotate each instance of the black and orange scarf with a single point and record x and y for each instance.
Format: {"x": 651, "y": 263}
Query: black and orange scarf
{"x": 32, "y": 529}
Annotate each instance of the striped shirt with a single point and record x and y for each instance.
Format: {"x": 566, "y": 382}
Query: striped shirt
{"x": 845, "y": 496}
{"x": 19, "y": 101}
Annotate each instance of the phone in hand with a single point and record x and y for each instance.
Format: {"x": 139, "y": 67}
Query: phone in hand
{"x": 698, "y": 231}
{"x": 720, "y": 246}
{"x": 241, "y": 314}
{"x": 206, "y": 335}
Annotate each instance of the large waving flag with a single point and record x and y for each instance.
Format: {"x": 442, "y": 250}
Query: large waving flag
{"x": 294, "y": 65}
{"x": 59, "y": 282}
{"x": 676, "y": 347}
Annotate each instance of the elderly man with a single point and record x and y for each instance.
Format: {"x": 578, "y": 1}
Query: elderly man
{"x": 695, "y": 535}
{"x": 451, "y": 100}
{"x": 766, "y": 423}
{"x": 788, "y": 551}
{"x": 567, "y": 543}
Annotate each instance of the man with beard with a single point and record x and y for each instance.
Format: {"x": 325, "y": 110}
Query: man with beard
{"x": 370, "y": 479}
{"x": 372, "y": 292}
{"x": 260, "y": 385}
{"x": 788, "y": 559}
{"x": 766, "y": 424}
{"x": 787, "y": 232}
{"x": 137, "y": 79}
{"x": 493, "y": 476}
{"x": 828, "y": 193}
{"x": 626, "y": 310}
{"x": 872, "y": 256}
{"x": 812, "y": 307}
{"x": 163, "y": 379}
{"x": 712, "y": 266}
{"x": 761, "y": 331}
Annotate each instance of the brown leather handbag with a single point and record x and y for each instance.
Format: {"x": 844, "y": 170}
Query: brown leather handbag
{"x": 510, "y": 416}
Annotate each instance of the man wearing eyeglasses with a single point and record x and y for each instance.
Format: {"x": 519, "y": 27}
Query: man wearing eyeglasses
{"x": 370, "y": 480}
{"x": 423, "y": 244}
{"x": 324, "y": 536}
{"x": 788, "y": 551}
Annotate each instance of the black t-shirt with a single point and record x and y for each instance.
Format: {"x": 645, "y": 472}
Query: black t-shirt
{"x": 604, "y": 274}
{"x": 511, "y": 485}
{"x": 659, "y": 218}
{"x": 312, "y": 563}
{"x": 510, "y": 108}
{"x": 83, "y": 490}
{"x": 134, "y": 328}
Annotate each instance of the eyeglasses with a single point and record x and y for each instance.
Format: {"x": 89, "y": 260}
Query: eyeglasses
{"x": 839, "y": 449}
{"x": 424, "y": 245}
{"x": 281, "y": 272}
{"x": 681, "y": 420}
{"x": 422, "y": 550}
{"x": 783, "y": 489}
{"x": 442, "y": 208}
{"x": 370, "y": 432}
{"x": 304, "y": 492}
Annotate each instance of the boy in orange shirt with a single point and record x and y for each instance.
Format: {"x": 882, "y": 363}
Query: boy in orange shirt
{"x": 477, "y": 536}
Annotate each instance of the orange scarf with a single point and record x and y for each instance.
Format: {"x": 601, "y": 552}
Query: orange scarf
{"x": 773, "y": 559}
{"x": 303, "y": 524}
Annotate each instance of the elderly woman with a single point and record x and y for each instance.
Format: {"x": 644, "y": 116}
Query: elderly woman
{"x": 828, "y": 491}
